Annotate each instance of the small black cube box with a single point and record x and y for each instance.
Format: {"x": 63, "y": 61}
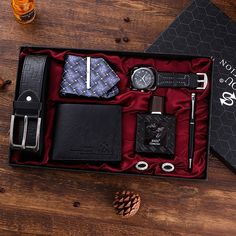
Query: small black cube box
{"x": 155, "y": 134}
{"x": 87, "y": 132}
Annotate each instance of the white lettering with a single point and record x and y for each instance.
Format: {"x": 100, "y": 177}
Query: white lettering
{"x": 228, "y": 67}
{"x": 232, "y": 80}
{"x": 233, "y": 86}
{"x": 223, "y": 62}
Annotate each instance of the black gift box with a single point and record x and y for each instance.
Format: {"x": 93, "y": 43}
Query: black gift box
{"x": 141, "y": 56}
{"x": 203, "y": 29}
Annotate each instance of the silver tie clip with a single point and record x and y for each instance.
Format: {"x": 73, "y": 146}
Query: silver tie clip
{"x": 88, "y": 78}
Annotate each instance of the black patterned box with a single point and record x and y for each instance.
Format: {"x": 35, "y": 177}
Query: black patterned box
{"x": 203, "y": 29}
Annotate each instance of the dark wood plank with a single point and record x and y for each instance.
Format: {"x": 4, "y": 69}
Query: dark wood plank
{"x": 40, "y": 202}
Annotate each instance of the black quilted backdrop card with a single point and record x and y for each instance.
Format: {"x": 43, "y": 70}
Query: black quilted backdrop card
{"x": 203, "y": 29}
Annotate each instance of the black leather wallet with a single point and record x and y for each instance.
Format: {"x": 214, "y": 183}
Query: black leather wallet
{"x": 85, "y": 132}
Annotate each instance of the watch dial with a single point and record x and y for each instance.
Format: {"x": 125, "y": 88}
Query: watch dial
{"x": 143, "y": 78}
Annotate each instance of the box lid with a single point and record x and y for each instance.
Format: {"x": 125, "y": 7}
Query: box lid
{"x": 203, "y": 29}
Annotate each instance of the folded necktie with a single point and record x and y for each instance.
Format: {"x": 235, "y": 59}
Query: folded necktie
{"x": 90, "y": 77}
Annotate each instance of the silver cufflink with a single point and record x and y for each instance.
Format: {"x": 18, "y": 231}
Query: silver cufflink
{"x": 167, "y": 167}
{"x": 141, "y": 165}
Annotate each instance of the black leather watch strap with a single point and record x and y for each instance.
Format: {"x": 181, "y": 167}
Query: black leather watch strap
{"x": 26, "y": 132}
{"x": 177, "y": 80}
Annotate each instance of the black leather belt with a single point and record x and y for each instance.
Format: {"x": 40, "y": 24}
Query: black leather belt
{"x": 181, "y": 80}
{"x": 26, "y": 130}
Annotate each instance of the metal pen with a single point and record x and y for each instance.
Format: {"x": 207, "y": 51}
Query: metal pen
{"x": 191, "y": 132}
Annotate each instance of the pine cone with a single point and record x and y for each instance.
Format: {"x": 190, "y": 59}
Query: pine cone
{"x": 126, "y": 203}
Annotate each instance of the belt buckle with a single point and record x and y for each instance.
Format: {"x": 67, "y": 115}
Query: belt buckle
{"x": 23, "y": 145}
{"x": 203, "y": 81}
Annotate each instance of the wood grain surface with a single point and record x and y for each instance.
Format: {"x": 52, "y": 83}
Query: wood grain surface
{"x": 42, "y": 202}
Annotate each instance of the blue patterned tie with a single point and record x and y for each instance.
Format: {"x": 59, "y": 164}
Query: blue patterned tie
{"x": 90, "y": 77}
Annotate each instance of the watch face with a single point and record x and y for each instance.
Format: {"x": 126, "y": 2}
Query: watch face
{"x": 143, "y": 78}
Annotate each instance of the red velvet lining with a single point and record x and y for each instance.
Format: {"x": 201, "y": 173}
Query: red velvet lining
{"x": 133, "y": 102}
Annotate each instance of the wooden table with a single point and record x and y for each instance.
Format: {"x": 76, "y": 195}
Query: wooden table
{"x": 40, "y": 202}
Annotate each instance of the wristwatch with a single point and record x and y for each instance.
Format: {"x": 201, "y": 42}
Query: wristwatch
{"x": 147, "y": 78}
